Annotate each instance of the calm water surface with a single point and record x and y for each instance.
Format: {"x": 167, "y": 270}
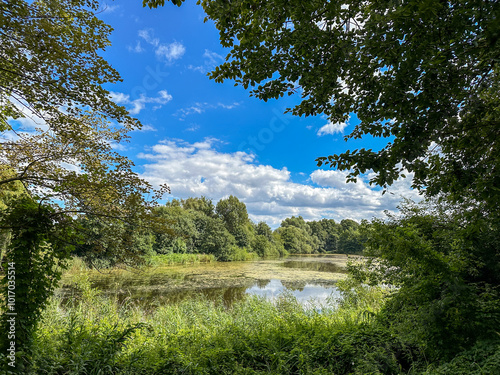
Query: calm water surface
{"x": 308, "y": 278}
{"x": 309, "y": 294}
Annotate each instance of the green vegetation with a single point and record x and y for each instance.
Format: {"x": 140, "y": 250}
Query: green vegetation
{"x": 198, "y": 337}
{"x": 34, "y": 253}
{"x": 195, "y": 226}
{"x": 167, "y": 259}
{"x": 424, "y": 75}
{"x": 93, "y": 334}
{"x": 445, "y": 266}
{"x": 52, "y": 76}
{"x": 64, "y": 169}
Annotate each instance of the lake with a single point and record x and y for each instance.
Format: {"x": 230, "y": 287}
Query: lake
{"x": 309, "y": 278}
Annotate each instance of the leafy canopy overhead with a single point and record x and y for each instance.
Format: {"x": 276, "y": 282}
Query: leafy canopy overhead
{"x": 58, "y": 123}
{"x": 51, "y": 68}
{"x": 423, "y": 74}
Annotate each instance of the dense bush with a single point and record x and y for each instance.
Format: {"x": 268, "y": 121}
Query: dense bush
{"x": 445, "y": 268}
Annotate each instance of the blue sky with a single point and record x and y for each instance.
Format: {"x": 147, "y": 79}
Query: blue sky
{"x": 206, "y": 138}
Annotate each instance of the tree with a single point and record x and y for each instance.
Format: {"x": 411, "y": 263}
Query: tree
{"x": 444, "y": 299}
{"x": 265, "y": 244}
{"x": 105, "y": 244}
{"x": 235, "y": 217}
{"x": 182, "y": 227}
{"x": 51, "y": 77}
{"x": 263, "y": 229}
{"x": 296, "y": 221}
{"x": 295, "y": 240}
{"x": 232, "y": 211}
{"x": 217, "y": 240}
{"x": 350, "y": 242}
{"x": 348, "y": 224}
{"x": 10, "y": 192}
{"x": 36, "y": 251}
{"x": 50, "y": 64}
{"x": 423, "y": 75}
{"x": 202, "y": 204}
{"x": 328, "y": 234}
{"x": 297, "y": 236}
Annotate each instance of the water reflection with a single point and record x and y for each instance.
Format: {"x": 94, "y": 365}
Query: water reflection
{"x": 303, "y": 277}
{"x": 294, "y": 285}
{"x": 262, "y": 283}
{"x": 270, "y": 289}
{"x": 314, "y": 266}
{"x": 308, "y": 294}
{"x": 226, "y": 296}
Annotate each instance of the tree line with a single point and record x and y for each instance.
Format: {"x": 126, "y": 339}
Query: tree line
{"x": 198, "y": 226}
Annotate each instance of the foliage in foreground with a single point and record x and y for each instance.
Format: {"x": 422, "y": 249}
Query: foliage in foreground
{"x": 445, "y": 266}
{"x": 58, "y": 126}
{"x": 201, "y": 337}
{"x": 93, "y": 335}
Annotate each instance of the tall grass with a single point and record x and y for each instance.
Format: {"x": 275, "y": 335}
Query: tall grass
{"x": 238, "y": 254}
{"x": 174, "y": 258}
{"x": 76, "y": 264}
{"x": 92, "y": 334}
{"x": 242, "y": 254}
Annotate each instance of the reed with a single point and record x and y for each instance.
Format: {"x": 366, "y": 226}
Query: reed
{"x": 174, "y": 258}
{"x": 93, "y": 334}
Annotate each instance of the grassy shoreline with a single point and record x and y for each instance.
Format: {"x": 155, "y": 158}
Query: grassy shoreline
{"x": 254, "y": 336}
{"x": 95, "y": 334}
{"x": 91, "y": 333}
{"x": 170, "y": 259}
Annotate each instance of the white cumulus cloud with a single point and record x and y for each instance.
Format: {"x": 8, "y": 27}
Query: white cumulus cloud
{"x": 170, "y": 52}
{"x": 137, "y": 105}
{"x": 332, "y": 128}
{"x": 166, "y": 52}
{"x": 196, "y": 169}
